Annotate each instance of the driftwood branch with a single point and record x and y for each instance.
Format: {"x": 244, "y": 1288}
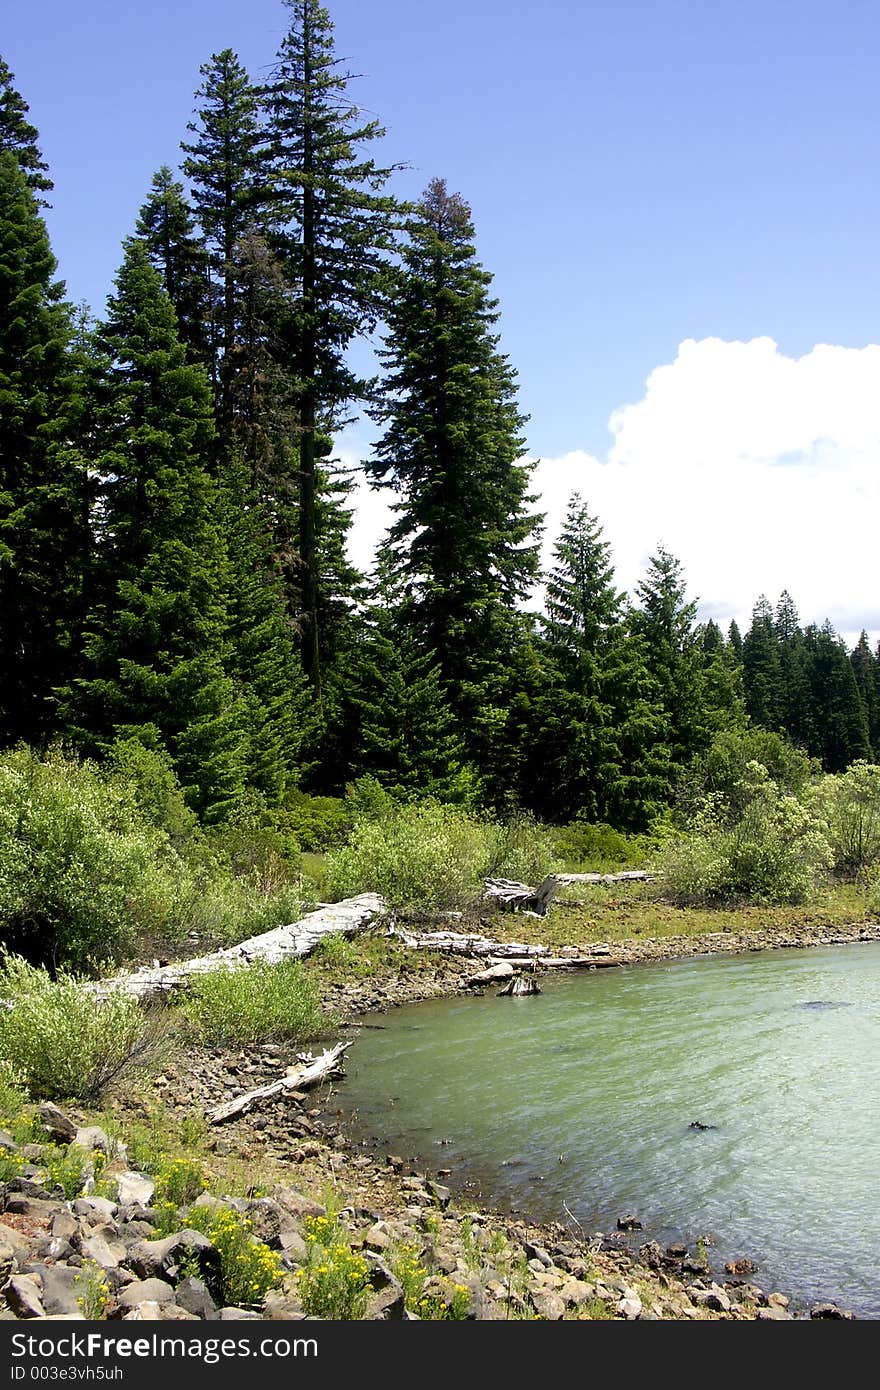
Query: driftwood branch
{"x": 310, "y": 1071}
{"x": 282, "y": 943}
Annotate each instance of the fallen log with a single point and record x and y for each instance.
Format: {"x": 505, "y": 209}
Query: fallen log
{"x": 467, "y": 945}
{"x": 520, "y": 897}
{"x": 282, "y": 943}
{"x": 310, "y": 1071}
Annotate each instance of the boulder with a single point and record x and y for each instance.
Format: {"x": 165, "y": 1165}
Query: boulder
{"x": 22, "y": 1293}
{"x": 146, "y": 1291}
{"x": 60, "y": 1126}
{"x": 193, "y": 1295}
{"x": 134, "y": 1189}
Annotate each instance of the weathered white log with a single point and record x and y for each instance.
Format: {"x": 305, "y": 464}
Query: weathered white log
{"x": 521, "y": 897}
{"x": 310, "y": 1071}
{"x": 464, "y": 945}
{"x": 282, "y": 943}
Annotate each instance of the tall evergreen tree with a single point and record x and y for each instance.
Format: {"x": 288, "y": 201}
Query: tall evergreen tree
{"x": 839, "y": 718}
{"x": 596, "y": 738}
{"x": 225, "y": 164}
{"x": 166, "y": 227}
{"x": 866, "y": 670}
{"x": 156, "y": 633}
{"x": 262, "y": 658}
{"x": 20, "y": 137}
{"x": 43, "y": 490}
{"x": 762, "y": 676}
{"x": 666, "y": 621}
{"x": 452, "y": 448}
{"x": 795, "y": 700}
{"x": 405, "y": 732}
{"x": 333, "y": 226}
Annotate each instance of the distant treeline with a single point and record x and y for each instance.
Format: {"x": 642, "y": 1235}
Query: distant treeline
{"x": 173, "y": 527}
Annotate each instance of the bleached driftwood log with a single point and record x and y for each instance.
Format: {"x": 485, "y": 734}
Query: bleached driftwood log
{"x": 282, "y": 943}
{"x": 310, "y": 1071}
{"x": 521, "y": 897}
{"x": 467, "y": 945}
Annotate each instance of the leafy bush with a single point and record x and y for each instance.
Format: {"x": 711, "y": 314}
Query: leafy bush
{"x": 586, "y": 847}
{"x": 721, "y": 778}
{"x": 81, "y": 870}
{"x": 774, "y": 852}
{"x": 418, "y": 856}
{"x": 316, "y": 822}
{"x": 849, "y": 805}
{"x": 254, "y": 1003}
{"x": 424, "y": 855}
{"x": 63, "y": 1040}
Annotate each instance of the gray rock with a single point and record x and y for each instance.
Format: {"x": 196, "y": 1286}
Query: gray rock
{"x": 62, "y": 1286}
{"x": 150, "y": 1311}
{"x": 830, "y": 1310}
{"x": 628, "y": 1223}
{"x": 133, "y": 1188}
{"x": 20, "y": 1204}
{"x": 107, "y": 1254}
{"x": 22, "y": 1293}
{"x": 548, "y": 1305}
{"x": 630, "y": 1306}
{"x": 149, "y": 1258}
{"x": 146, "y": 1291}
{"x": 713, "y": 1297}
{"x": 92, "y": 1137}
{"x": 95, "y": 1208}
{"x": 192, "y": 1294}
{"x": 773, "y": 1315}
{"x": 55, "y": 1122}
{"x": 293, "y": 1247}
{"x": 238, "y": 1315}
{"x": 442, "y": 1195}
{"x": 282, "y": 1307}
{"x": 296, "y": 1203}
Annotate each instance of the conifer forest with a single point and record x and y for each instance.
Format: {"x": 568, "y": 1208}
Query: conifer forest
{"x": 173, "y": 522}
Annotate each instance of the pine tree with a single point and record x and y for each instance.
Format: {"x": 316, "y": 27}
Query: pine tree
{"x": 452, "y": 448}
{"x": 166, "y": 227}
{"x": 865, "y": 670}
{"x": 595, "y": 746}
{"x": 20, "y": 137}
{"x": 762, "y": 676}
{"x": 262, "y": 658}
{"x": 43, "y": 488}
{"x": 839, "y": 717}
{"x": 666, "y": 621}
{"x": 795, "y": 700}
{"x": 332, "y": 228}
{"x": 155, "y": 635}
{"x": 225, "y": 165}
{"x": 405, "y": 734}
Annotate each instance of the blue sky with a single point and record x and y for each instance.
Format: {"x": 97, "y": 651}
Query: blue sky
{"x": 644, "y": 174}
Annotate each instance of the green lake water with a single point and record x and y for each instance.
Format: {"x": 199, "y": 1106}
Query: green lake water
{"x": 577, "y": 1104}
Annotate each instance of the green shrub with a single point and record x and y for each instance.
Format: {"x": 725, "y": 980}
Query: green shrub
{"x": 424, "y": 855}
{"x": 81, "y": 871}
{"x": 722, "y": 777}
{"x": 69, "y": 1168}
{"x": 64, "y": 1040}
{"x": 316, "y": 822}
{"x": 775, "y": 852}
{"x": 254, "y": 1003}
{"x": 180, "y": 1181}
{"x": 849, "y": 805}
{"x": 595, "y": 848}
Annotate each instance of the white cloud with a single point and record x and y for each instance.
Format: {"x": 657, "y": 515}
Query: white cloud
{"x": 758, "y": 471}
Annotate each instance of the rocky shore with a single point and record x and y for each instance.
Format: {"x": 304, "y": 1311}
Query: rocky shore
{"x": 424, "y": 1250}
